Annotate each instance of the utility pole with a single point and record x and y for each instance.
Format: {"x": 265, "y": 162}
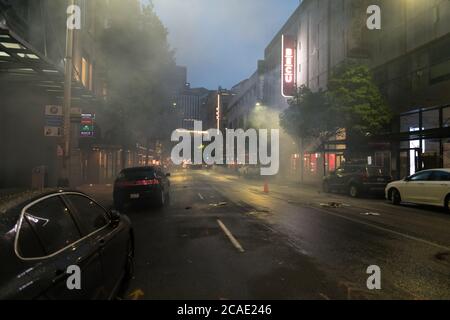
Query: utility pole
{"x": 67, "y": 100}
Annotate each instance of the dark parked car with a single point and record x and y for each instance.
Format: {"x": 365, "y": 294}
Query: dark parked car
{"x": 356, "y": 180}
{"x": 148, "y": 185}
{"x": 44, "y": 235}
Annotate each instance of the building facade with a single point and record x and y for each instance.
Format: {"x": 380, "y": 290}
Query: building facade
{"x": 32, "y": 52}
{"x": 410, "y": 60}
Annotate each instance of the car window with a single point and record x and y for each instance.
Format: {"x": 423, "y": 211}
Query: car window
{"x": 421, "y": 176}
{"x": 139, "y": 174}
{"x": 53, "y": 224}
{"x": 91, "y": 215}
{"x": 440, "y": 176}
{"x": 29, "y": 245}
{"x": 376, "y": 171}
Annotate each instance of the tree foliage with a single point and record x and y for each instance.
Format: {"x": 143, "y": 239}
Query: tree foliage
{"x": 308, "y": 115}
{"x": 138, "y": 60}
{"x": 353, "y": 102}
{"x": 356, "y": 100}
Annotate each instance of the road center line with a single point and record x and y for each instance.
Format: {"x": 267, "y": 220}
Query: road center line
{"x": 233, "y": 240}
{"x": 200, "y": 196}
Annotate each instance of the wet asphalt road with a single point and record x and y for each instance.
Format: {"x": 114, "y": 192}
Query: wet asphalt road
{"x": 222, "y": 237}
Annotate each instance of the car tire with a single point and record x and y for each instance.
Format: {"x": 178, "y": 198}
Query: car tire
{"x": 447, "y": 203}
{"x": 353, "y": 191}
{"x": 161, "y": 199}
{"x": 395, "y": 197}
{"x": 326, "y": 187}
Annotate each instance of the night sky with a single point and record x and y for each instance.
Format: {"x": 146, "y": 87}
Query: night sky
{"x": 220, "y": 41}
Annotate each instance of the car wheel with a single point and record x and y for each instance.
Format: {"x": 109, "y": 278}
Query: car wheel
{"x": 395, "y": 197}
{"x": 326, "y": 187}
{"x": 447, "y": 203}
{"x": 167, "y": 198}
{"x": 354, "y": 191}
{"x": 161, "y": 199}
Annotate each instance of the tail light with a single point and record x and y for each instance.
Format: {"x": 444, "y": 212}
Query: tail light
{"x": 149, "y": 182}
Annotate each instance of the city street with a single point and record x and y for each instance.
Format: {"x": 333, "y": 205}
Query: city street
{"x": 222, "y": 237}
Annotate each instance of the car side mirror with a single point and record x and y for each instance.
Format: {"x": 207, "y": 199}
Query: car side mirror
{"x": 115, "y": 215}
{"x": 168, "y": 175}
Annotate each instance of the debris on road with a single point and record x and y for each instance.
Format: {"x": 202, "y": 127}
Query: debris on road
{"x": 371, "y": 214}
{"x": 220, "y": 204}
{"x": 332, "y": 205}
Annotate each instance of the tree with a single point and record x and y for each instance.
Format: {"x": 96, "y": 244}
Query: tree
{"x": 138, "y": 61}
{"x": 357, "y": 101}
{"x": 308, "y": 115}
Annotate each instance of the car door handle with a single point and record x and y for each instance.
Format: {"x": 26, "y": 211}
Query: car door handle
{"x": 102, "y": 242}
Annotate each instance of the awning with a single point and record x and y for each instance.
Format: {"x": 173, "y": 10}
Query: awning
{"x": 23, "y": 65}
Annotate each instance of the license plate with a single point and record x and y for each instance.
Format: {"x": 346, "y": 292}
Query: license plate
{"x": 134, "y": 196}
{"x": 380, "y": 179}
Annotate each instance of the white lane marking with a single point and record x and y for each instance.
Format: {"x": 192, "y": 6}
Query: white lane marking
{"x": 233, "y": 240}
{"x": 200, "y": 196}
{"x": 407, "y": 236}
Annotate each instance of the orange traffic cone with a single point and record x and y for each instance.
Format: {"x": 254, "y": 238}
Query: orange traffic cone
{"x": 266, "y": 187}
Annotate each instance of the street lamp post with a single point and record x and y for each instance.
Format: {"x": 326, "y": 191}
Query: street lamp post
{"x": 68, "y": 72}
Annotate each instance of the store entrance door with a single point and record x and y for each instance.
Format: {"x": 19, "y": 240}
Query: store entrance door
{"x": 410, "y": 161}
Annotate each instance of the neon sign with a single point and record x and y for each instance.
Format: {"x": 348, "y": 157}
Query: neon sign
{"x": 288, "y": 66}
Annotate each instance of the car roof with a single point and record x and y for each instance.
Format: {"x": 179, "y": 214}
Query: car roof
{"x": 438, "y": 169}
{"x": 21, "y": 198}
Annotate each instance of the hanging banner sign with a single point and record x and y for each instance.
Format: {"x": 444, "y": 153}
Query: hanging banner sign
{"x": 288, "y": 66}
{"x": 87, "y": 125}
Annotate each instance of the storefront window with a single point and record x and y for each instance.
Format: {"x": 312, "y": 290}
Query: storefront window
{"x": 446, "y": 117}
{"x": 409, "y": 122}
{"x": 430, "y": 155}
{"x": 430, "y": 119}
{"x": 446, "y": 153}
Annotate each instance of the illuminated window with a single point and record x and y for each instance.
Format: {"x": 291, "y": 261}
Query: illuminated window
{"x": 90, "y": 76}
{"x": 84, "y": 72}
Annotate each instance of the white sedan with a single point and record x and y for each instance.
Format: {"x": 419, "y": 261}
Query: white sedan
{"x": 431, "y": 187}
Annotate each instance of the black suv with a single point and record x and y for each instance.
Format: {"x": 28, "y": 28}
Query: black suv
{"x": 46, "y": 237}
{"x": 357, "y": 179}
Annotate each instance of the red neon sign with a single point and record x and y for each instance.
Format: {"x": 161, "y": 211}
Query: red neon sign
{"x": 288, "y": 66}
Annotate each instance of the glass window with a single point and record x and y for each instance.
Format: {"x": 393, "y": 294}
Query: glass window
{"x": 90, "y": 214}
{"x": 421, "y": 176}
{"x": 430, "y": 119}
{"x": 440, "y": 176}
{"x": 409, "y": 123}
{"x": 446, "y": 117}
{"x": 53, "y": 224}
{"x": 29, "y": 245}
